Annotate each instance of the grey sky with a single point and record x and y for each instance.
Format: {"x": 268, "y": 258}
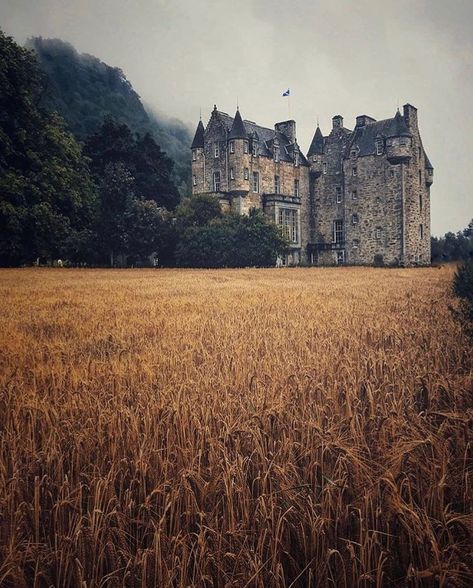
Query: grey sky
{"x": 344, "y": 57}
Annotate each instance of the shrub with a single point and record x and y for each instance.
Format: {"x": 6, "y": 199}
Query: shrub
{"x": 463, "y": 289}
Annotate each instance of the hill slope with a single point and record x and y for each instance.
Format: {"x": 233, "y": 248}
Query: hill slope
{"x": 84, "y": 90}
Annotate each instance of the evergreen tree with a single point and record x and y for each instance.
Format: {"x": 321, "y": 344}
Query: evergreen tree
{"x": 47, "y": 197}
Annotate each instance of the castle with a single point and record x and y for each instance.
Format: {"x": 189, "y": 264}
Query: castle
{"x": 359, "y": 197}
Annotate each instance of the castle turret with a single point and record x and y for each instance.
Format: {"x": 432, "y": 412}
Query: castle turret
{"x": 238, "y": 157}
{"x": 316, "y": 149}
{"x": 398, "y": 141}
{"x": 198, "y": 159}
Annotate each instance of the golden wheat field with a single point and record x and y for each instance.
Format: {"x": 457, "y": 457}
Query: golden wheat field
{"x": 234, "y": 428}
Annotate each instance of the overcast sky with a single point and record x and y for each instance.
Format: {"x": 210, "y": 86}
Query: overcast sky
{"x": 344, "y": 57}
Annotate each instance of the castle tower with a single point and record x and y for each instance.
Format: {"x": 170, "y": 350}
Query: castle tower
{"x": 198, "y": 160}
{"x": 238, "y": 160}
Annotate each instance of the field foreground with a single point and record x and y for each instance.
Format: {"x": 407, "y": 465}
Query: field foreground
{"x": 249, "y": 428}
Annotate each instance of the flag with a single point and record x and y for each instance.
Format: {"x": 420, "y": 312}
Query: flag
{"x": 287, "y": 92}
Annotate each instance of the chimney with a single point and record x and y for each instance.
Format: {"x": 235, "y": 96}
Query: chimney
{"x": 363, "y": 120}
{"x": 337, "y": 121}
{"x": 410, "y": 116}
{"x": 288, "y": 128}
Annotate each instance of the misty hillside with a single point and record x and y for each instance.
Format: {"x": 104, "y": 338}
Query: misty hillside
{"x": 84, "y": 90}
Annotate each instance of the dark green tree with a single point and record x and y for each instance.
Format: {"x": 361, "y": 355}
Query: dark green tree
{"x": 144, "y": 227}
{"x": 46, "y": 193}
{"x": 463, "y": 289}
{"x": 231, "y": 240}
{"x": 150, "y": 168}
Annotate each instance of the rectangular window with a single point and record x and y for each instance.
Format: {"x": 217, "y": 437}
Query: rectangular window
{"x": 354, "y": 195}
{"x": 232, "y": 174}
{"x": 277, "y": 185}
{"x": 354, "y": 219}
{"x": 379, "y": 233}
{"x": 194, "y": 181}
{"x": 354, "y": 171}
{"x": 245, "y": 146}
{"x": 254, "y": 149}
{"x": 338, "y": 193}
{"x": 216, "y": 150}
{"x": 421, "y": 231}
{"x": 246, "y": 173}
{"x": 340, "y": 257}
{"x": 255, "y": 182}
{"x": 324, "y": 168}
{"x": 419, "y": 152}
{"x": 392, "y": 172}
{"x": 287, "y": 219}
{"x": 232, "y": 147}
{"x": 420, "y": 202}
{"x": 194, "y": 155}
{"x": 217, "y": 181}
{"x": 356, "y": 243}
{"x": 420, "y": 176}
{"x": 296, "y": 188}
{"x": 379, "y": 147}
{"x": 338, "y": 231}
{"x": 276, "y": 153}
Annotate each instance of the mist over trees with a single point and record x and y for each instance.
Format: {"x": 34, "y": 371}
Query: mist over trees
{"x": 84, "y": 90}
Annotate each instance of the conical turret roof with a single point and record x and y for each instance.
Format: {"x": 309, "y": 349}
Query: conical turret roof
{"x": 199, "y": 136}
{"x": 317, "y": 145}
{"x": 238, "y": 130}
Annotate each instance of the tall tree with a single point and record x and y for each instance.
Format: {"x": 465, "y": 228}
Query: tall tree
{"x": 46, "y": 193}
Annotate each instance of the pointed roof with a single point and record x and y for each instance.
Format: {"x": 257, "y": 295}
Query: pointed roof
{"x": 399, "y": 127}
{"x": 238, "y": 130}
{"x": 317, "y": 145}
{"x": 199, "y": 136}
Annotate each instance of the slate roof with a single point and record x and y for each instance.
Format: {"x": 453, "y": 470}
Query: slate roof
{"x": 199, "y": 136}
{"x": 317, "y": 145}
{"x": 238, "y": 130}
{"x": 365, "y": 137}
{"x": 264, "y": 137}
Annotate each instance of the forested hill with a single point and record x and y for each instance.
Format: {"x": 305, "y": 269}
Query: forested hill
{"x": 84, "y": 90}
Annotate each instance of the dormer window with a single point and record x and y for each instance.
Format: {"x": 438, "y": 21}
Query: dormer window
{"x": 254, "y": 148}
{"x": 296, "y": 157}
{"x": 379, "y": 146}
{"x": 232, "y": 147}
{"x": 245, "y": 146}
{"x": 216, "y": 150}
{"x": 276, "y": 153}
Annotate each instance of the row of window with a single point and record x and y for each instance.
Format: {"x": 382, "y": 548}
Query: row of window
{"x": 338, "y": 230}
{"x": 338, "y": 237}
{"x": 254, "y": 151}
{"x": 255, "y": 182}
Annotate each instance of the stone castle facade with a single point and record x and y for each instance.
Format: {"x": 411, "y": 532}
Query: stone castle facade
{"x": 359, "y": 197}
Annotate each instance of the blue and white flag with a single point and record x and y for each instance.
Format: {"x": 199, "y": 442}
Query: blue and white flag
{"x": 287, "y": 92}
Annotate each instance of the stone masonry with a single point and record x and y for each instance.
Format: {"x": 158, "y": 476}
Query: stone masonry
{"x": 359, "y": 197}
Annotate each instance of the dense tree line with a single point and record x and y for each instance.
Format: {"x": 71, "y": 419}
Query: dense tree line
{"x": 453, "y": 247}
{"x": 109, "y": 200}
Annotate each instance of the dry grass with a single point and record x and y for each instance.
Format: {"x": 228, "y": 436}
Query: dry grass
{"x": 250, "y": 428}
